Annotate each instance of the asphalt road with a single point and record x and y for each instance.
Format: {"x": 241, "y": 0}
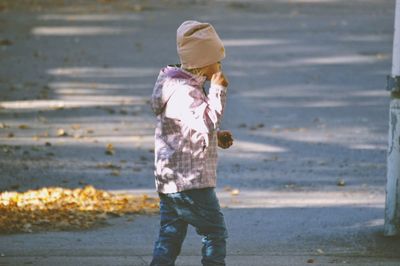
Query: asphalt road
{"x": 306, "y": 105}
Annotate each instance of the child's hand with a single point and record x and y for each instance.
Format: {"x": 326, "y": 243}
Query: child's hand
{"x": 220, "y": 79}
{"x": 225, "y": 139}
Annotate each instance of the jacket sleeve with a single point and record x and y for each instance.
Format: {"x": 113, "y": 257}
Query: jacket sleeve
{"x": 196, "y": 110}
{"x": 160, "y": 96}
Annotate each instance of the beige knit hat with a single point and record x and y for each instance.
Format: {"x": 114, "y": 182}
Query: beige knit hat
{"x": 198, "y": 45}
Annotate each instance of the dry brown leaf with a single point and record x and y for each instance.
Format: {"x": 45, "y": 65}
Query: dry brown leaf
{"x": 116, "y": 172}
{"x": 341, "y": 183}
{"x": 76, "y": 126}
{"x": 44, "y": 135}
{"x": 61, "y": 132}
{"x": 5, "y": 42}
{"x": 59, "y": 106}
{"x": 110, "y": 149}
{"x": 23, "y": 126}
{"x": 108, "y": 166}
{"x": 43, "y": 119}
{"x": 228, "y": 188}
{"x": 57, "y": 208}
{"x": 235, "y": 192}
{"x": 78, "y": 136}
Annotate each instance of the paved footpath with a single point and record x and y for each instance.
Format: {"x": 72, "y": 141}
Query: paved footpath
{"x": 306, "y": 104}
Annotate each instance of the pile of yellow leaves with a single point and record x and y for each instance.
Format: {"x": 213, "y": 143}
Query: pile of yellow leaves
{"x": 66, "y": 209}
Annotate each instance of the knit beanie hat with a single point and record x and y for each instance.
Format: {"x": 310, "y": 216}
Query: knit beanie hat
{"x": 198, "y": 45}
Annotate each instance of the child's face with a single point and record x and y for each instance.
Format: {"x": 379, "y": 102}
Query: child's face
{"x": 210, "y": 70}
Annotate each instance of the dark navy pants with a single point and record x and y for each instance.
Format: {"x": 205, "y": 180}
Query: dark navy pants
{"x": 201, "y": 209}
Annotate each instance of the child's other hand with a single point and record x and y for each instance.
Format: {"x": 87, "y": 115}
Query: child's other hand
{"x": 220, "y": 79}
{"x": 225, "y": 139}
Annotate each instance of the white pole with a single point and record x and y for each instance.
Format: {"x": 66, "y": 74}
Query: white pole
{"x": 392, "y": 208}
{"x": 396, "y": 42}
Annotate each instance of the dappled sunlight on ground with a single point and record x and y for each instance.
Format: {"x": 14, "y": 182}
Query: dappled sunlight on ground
{"x": 241, "y": 148}
{"x": 79, "y": 31}
{"x": 90, "y": 17}
{"x": 252, "y": 42}
{"x": 92, "y": 87}
{"x": 304, "y": 98}
{"x": 104, "y": 73}
{"x": 74, "y": 101}
{"x": 289, "y": 197}
{"x": 306, "y": 105}
{"x": 299, "y": 199}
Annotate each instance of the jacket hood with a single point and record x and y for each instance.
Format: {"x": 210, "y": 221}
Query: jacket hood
{"x": 161, "y": 94}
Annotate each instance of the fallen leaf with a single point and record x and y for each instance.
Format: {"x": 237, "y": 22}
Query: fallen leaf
{"x": 60, "y": 106}
{"x": 78, "y": 136}
{"x": 273, "y": 158}
{"x": 295, "y": 129}
{"x": 23, "y": 126}
{"x": 43, "y": 119}
{"x": 44, "y": 134}
{"x": 136, "y": 8}
{"x": 109, "y": 110}
{"x": 238, "y": 5}
{"x": 290, "y": 186}
{"x": 116, "y": 172}
{"x": 310, "y": 261}
{"x": 15, "y": 186}
{"x": 235, "y": 192}
{"x": 76, "y": 126}
{"x": 317, "y": 120}
{"x": 61, "y": 132}
{"x": 108, "y": 166}
{"x": 5, "y": 42}
{"x": 228, "y": 188}
{"x": 6, "y": 150}
{"x": 57, "y": 208}
{"x": 2, "y": 125}
{"x": 258, "y": 126}
{"x": 137, "y": 169}
{"x": 341, "y": 183}
{"x": 110, "y": 149}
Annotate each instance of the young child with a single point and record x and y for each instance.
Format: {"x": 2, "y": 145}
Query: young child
{"x": 186, "y": 139}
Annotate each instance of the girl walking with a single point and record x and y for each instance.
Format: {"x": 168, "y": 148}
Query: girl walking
{"x": 186, "y": 138}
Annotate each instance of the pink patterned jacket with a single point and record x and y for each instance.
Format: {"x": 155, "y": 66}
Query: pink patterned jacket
{"x": 185, "y": 135}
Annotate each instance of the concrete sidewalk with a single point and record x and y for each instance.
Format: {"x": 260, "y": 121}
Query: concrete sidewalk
{"x": 306, "y": 105}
